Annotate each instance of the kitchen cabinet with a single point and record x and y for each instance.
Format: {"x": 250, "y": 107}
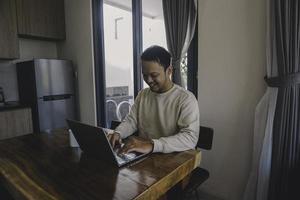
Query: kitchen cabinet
{"x": 44, "y": 19}
{"x": 9, "y": 44}
{"x": 15, "y": 122}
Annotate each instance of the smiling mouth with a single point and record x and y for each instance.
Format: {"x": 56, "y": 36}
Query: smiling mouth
{"x": 152, "y": 85}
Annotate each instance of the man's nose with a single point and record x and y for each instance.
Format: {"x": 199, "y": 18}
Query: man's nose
{"x": 149, "y": 79}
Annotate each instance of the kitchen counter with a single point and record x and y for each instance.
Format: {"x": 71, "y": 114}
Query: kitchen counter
{"x": 11, "y": 106}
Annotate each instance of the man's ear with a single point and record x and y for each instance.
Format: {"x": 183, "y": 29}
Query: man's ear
{"x": 170, "y": 70}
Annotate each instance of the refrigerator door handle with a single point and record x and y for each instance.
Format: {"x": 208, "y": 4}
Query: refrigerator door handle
{"x": 57, "y": 97}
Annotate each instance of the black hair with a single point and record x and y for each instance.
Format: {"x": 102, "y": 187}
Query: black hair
{"x": 157, "y": 54}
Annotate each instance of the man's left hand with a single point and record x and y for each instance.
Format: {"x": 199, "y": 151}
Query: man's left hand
{"x": 137, "y": 144}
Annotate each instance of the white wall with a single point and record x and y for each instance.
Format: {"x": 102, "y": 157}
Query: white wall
{"x": 30, "y": 49}
{"x": 78, "y": 47}
{"x": 231, "y": 70}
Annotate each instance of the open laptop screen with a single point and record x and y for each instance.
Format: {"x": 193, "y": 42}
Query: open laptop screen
{"x": 93, "y": 141}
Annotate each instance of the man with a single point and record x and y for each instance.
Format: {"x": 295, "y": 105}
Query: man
{"x": 165, "y": 115}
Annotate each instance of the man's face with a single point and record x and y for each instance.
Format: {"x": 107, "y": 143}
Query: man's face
{"x": 156, "y": 77}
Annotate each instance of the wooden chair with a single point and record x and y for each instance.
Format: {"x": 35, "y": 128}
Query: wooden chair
{"x": 199, "y": 175}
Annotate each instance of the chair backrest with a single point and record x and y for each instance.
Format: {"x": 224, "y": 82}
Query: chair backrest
{"x": 205, "y": 138}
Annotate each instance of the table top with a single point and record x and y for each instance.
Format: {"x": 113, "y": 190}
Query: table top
{"x": 44, "y": 166}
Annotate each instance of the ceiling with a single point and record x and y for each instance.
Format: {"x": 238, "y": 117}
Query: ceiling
{"x": 151, "y": 8}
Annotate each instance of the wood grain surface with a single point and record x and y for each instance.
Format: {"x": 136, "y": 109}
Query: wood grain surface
{"x": 43, "y": 166}
{"x": 15, "y": 123}
{"x": 41, "y": 19}
{"x": 9, "y": 42}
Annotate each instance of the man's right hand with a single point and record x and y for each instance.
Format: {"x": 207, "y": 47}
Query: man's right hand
{"x": 114, "y": 139}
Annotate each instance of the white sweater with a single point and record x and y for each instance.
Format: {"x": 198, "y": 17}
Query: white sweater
{"x": 170, "y": 119}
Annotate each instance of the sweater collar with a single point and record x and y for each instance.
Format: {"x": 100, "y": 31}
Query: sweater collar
{"x": 165, "y": 93}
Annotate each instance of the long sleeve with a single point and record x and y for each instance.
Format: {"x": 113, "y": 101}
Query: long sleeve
{"x": 130, "y": 123}
{"x": 187, "y": 136}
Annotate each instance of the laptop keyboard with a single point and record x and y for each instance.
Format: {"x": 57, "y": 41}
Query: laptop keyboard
{"x": 125, "y": 157}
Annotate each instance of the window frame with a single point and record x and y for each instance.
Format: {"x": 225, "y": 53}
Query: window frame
{"x": 99, "y": 61}
{"x": 192, "y": 63}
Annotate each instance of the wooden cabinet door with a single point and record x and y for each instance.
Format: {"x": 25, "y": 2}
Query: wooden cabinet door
{"x": 16, "y": 122}
{"x": 9, "y": 44}
{"x": 41, "y": 19}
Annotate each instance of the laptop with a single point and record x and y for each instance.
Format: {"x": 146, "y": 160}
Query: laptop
{"x": 93, "y": 142}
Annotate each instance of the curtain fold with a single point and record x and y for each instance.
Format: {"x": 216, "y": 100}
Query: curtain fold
{"x": 276, "y": 152}
{"x": 257, "y": 186}
{"x": 285, "y": 180}
{"x": 180, "y": 20}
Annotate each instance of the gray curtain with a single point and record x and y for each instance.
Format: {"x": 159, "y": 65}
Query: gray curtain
{"x": 180, "y": 20}
{"x": 275, "y": 172}
{"x": 285, "y": 166}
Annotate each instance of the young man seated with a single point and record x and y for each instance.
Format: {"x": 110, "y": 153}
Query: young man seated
{"x": 165, "y": 115}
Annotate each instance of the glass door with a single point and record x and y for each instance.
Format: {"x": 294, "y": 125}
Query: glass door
{"x": 118, "y": 45}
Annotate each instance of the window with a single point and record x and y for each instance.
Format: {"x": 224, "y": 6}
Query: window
{"x": 118, "y": 60}
{"x": 117, "y": 50}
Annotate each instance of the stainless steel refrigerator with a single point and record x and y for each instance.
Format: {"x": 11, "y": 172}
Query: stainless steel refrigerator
{"x": 47, "y": 86}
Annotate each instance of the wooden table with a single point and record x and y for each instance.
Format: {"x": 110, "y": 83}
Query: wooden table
{"x": 43, "y": 166}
